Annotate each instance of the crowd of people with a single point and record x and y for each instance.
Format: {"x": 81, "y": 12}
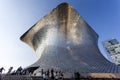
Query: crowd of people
{"x": 19, "y": 71}
{"x": 45, "y": 75}
{"x": 50, "y": 74}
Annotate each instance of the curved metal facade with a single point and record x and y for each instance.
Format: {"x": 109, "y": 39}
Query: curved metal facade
{"x": 64, "y": 41}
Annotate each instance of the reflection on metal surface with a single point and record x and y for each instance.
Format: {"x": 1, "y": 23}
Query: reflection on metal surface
{"x": 64, "y": 41}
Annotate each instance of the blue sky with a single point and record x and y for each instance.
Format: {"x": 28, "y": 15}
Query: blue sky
{"x": 17, "y": 16}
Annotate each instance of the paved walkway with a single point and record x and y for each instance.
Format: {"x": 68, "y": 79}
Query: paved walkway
{"x": 25, "y": 77}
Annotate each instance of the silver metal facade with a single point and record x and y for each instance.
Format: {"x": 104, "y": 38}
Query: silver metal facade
{"x": 62, "y": 40}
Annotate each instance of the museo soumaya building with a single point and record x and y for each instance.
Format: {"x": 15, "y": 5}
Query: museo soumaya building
{"x": 62, "y": 40}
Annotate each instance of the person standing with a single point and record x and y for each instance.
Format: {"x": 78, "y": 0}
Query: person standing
{"x": 19, "y": 71}
{"x": 52, "y": 74}
{"x": 1, "y": 69}
{"x": 10, "y": 69}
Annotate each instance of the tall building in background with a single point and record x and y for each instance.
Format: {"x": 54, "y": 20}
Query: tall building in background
{"x": 112, "y": 47}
